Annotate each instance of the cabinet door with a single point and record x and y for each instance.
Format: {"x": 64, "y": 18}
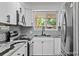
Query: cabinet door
{"x": 37, "y": 47}
{"x": 48, "y": 47}
{"x": 29, "y": 17}
{"x": 31, "y": 48}
{"x": 57, "y": 46}
{"x": 12, "y": 7}
{"x": 8, "y": 8}
{"x": 25, "y": 49}
{"x": 21, "y": 14}
{"x": 3, "y": 12}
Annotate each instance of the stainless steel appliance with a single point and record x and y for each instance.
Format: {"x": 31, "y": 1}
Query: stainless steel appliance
{"x": 4, "y": 38}
{"x": 14, "y": 35}
{"x": 67, "y": 30}
{"x": 7, "y": 36}
{"x": 4, "y": 34}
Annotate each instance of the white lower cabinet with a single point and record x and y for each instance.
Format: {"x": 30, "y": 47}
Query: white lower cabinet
{"x": 48, "y": 47}
{"x": 45, "y": 46}
{"x": 57, "y": 46}
{"x": 37, "y": 47}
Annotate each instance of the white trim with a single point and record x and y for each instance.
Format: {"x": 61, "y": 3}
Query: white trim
{"x": 39, "y": 29}
{"x": 75, "y": 28}
{"x": 48, "y": 10}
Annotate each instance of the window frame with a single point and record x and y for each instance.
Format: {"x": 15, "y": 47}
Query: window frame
{"x": 39, "y": 29}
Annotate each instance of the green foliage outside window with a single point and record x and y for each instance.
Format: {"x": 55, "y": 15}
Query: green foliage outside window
{"x": 51, "y": 21}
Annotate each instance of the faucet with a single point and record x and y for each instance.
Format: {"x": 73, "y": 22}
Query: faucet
{"x": 43, "y": 31}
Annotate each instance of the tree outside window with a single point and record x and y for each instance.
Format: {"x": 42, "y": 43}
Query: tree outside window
{"x": 48, "y": 20}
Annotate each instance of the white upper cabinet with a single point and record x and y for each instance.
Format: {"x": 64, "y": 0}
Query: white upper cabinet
{"x": 29, "y": 21}
{"x": 22, "y": 17}
{"x": 3, "y": 12}
{"x": 12, "y": 11}
{"x": 8, "y": 12}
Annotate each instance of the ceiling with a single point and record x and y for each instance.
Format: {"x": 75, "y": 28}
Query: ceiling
{"x": 45, "y": 5}
{"x": 44, "y": 2}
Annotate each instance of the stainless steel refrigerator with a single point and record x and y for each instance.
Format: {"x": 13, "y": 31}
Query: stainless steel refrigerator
{"x": 67, "y": 30}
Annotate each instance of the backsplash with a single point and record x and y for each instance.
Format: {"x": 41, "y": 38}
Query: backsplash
{"x": 15, "y": 28}
{"x": 53, "y": 33}
{"x": 26, "y": 30}
{"x": 2, "y": 37}
{"x": 21, "y": 30}
{"x": 29, "y": 30}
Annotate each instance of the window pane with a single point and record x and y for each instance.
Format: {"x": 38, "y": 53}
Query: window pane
{"x": 40, "y": 22}
{"x": 51, "y": 23}
{"x": 45, "y": 18}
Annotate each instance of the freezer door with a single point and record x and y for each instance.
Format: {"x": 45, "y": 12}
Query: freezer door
{"x": 67, "y": 30}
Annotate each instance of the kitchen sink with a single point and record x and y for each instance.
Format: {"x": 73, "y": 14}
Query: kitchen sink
{"x": 54, "y": 36}
{"x": 42, "y": 35}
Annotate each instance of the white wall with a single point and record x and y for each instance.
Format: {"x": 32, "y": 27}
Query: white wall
{"x": 52, "y": 6}
{"x": 47, "y": 6}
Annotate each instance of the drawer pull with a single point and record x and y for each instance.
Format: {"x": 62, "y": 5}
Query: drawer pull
{"x": 32, "y": 42}
{"x": 18, "y": 54}
{"x": 25, "y": 46}
{"x": 42, "y": 42}
{"x": 23, "y": 55}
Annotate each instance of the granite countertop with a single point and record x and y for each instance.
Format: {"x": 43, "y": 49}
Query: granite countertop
{"x": 13, "y": 48}
{"x": 26, "y": 37}
{"x": 18, "y": 46}
{"x": 53, "y": 36}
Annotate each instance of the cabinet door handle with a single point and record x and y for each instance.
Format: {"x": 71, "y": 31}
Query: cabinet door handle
{"x": 32, "y": 42}
{"x": 25, "y": 46}
{"x": 42, "y": 42}
{"x": 23, "y": 55}
{"x": 18, "y": 54}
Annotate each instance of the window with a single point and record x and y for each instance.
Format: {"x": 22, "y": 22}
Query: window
{"x": 48, "y": 19}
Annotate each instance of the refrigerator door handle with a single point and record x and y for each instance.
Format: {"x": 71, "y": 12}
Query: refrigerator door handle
{"x": 65, "y": 27}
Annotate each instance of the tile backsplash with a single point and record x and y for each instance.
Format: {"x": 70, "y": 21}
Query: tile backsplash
{"x": 21, "y": 30}
{"x": 27, "y": 31}
{"x": 15, "y": 28}
{"x": 53, "y": 33}
{"x": 2, "y": 37}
